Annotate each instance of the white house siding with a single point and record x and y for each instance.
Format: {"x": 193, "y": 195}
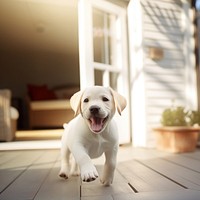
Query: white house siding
{"x": 165, "y": 80}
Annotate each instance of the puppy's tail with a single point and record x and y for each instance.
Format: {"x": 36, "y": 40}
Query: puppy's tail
{"x": 65, "y": 125}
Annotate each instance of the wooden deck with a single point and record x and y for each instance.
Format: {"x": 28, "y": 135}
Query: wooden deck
{"x": 144, "y": 174}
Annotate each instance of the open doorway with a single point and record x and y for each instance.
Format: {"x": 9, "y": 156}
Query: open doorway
{"x": 39, "y": 47}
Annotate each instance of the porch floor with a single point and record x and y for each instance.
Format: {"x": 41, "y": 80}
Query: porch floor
{"x": 144, "y": 174}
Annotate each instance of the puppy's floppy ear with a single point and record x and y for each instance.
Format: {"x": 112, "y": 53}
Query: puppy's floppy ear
{"x": 119, "y": 100}
{"x": 75, "y": 102}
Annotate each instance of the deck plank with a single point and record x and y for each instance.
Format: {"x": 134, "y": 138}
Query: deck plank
{"x": 97, "y": 190}
{"x": 106, "y": 197}
{"x": 181, "y": 175}
{"x": 185, "y": 162}
{"x": 144, "y": 174}
{"x": 167, "y": 195}
{"x": 194, "y": 155}
{"x": 57, "y": 188}
{"x": 8, "y": 156}
{"x": 28, "y": 183}
{"x": 12, "y": 168}
{"x": 144, "y": 179}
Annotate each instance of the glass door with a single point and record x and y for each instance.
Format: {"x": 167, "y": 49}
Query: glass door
{"x": 103, "y": 52}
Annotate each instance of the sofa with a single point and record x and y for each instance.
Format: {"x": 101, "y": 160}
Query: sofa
{"x": 49, "y": 108}
{"x": 8, "y": 116}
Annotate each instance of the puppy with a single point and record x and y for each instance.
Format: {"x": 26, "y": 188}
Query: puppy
{"x": 91, "y": 133}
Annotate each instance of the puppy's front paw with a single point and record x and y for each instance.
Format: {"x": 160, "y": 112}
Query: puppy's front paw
{"x": 89, "y": 173}
{"x": 63, "y": 175}
{"x": 64, "y": 172}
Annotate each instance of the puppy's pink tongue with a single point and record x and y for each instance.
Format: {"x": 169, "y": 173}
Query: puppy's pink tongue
{"x": 96, "y": 124}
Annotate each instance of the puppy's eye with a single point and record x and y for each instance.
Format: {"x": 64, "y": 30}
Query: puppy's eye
{"x": 105, "y": 99}
{"x": 86, "y": 100}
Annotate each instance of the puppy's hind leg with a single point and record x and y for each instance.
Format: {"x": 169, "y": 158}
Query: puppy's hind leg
{"x": 74, "y": 168}
{"x": 65, "y": 162}
{"x": 109, "y": 167}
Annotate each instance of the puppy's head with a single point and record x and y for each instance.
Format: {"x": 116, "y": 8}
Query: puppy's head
{"x": 97, "y": 105}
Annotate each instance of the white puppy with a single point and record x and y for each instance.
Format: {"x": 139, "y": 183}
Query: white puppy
{"x": 92, "y": 132}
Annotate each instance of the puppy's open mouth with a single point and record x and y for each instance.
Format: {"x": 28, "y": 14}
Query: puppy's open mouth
{"x": 97, "y": 123}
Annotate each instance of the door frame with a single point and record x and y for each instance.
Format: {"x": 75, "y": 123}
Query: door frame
{"x": 87, "y": 64}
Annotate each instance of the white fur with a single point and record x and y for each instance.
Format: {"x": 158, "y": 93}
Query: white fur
{"x": 85, "y": 141}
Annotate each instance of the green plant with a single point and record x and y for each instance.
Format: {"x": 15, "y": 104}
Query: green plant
{"x": 194, "y": 117}
{"x": 179, "y": 116}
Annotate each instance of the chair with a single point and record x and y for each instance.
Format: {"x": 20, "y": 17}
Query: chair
{"x": 8, "y": 116}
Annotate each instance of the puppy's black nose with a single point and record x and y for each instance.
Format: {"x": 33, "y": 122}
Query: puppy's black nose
{"x": 94, "y": 109}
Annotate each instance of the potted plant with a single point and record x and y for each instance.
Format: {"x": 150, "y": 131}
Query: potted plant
{"x": 179, "y": 131}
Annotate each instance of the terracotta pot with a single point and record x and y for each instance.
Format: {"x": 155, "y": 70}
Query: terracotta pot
{"x": 176, "y": 139}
